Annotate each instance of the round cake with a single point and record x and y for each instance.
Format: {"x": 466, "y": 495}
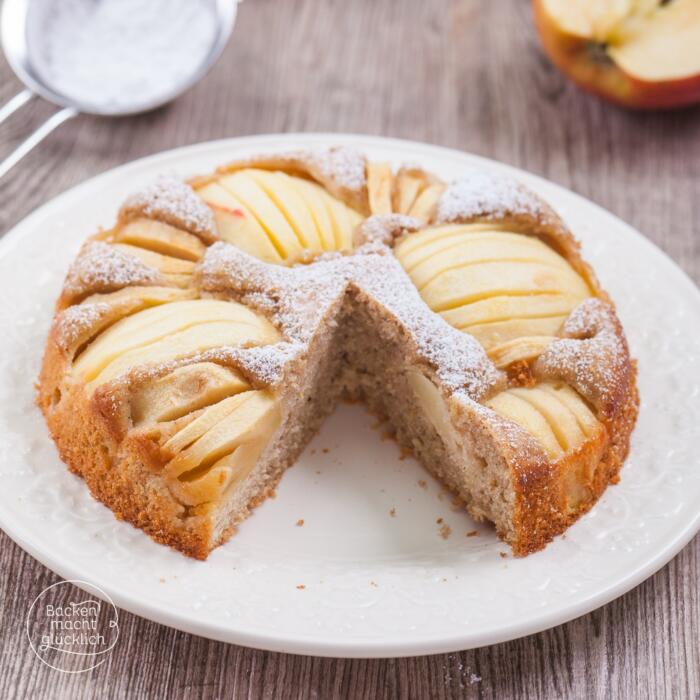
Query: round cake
{"x": 200, "y": 342}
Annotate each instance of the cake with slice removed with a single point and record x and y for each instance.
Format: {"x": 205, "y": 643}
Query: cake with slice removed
{"x": 200, "y": 342}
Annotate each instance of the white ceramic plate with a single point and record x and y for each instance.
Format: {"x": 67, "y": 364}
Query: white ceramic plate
{"x": 379, "y": 580}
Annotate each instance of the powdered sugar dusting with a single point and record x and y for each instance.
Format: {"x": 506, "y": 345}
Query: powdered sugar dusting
{"x": 384, "y": 229}
{"x": 592, "y": 356}
{"x": 480, "y": 193}
{"x": 76, "y": 321}
{"x": 175, "y": 203}
{"x": 343, "y": 165}
{"x": 266, "y": 363}
{"x": 103, "y": 268}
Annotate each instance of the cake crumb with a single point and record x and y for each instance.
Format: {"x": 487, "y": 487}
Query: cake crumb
{"x": 456, "y": 504}
{"x": 472, "y": 533}
{"x": 423, "y": 483}
{"x": 374, "y": 584}
{"x": 503, "y": 555}
{"x": 326, "y": 450}
{"x": 300, "y": 522}
{"x": 439, "y": 521}
{"x": 445, "y": 531}
{"x": 392, "y": 512}
{"x": 301, "y": 586}
{"x": 161, "y": 579}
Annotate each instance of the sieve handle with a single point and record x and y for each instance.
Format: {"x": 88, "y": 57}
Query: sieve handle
{"x": 14, "y": 104}
{"x": 38, "y": 136}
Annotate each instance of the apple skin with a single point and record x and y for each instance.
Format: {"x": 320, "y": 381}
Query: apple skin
{"x": 600, "y": 76}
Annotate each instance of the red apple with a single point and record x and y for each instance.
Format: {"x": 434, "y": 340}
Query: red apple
{"x": 643, "y": 54}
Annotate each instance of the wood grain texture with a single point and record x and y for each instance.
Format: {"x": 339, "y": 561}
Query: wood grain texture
{"x": 461, "y": 73}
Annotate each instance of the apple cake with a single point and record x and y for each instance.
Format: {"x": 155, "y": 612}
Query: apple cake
{"x": 200, "y": 342}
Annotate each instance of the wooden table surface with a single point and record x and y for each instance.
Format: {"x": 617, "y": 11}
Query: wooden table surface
{"x": 466, "y": 74}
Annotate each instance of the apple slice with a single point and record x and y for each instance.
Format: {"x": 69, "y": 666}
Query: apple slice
{"x": 279, "y": 189}
{"x": 512, "y": 407}
{"x": 205, "y": 485}
{"x": 210, "y": 484}
{"x": 561, "y": 420}
{"x": 472, "y": 283}
{"x": 295, "y": 214}
{"x": 497, "y": 286}
{"x": 244, "y": 458}
{"x": 407, "y": 185}
{"x": 187, "y": 342}
{"x": 638, "y": 53}
{"x": 174, "y": 270}
{"x": 502, "y": 308}
{"x": 237, "y": 225}
{"x": 160, "y": 238}
{"x": 525, "y": 348}
{"x": 314, "y": 196}
{"x": 437, "y": 252}
{"x": 253, "y": 418}
{"x": 205, "y": 421}
{"x": 491, "y": 335}
{"x": 433, "y": 405}
{"x": 344, "y": 221}
{"x": 163, "y": 263}
{"x": 417, "y": 247}
{"x": 122, "y": 303}
{"x": 153, "y": 324}
{"x": 483, "y": 248}
{"x": 184, "y": 390}
{"x": 424, "y": 206}
{"x": 379, "y": 186}
{"x": 138, "y": 298}
{"x": 571, "y": 399}
{"x": 244, "y": 187}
